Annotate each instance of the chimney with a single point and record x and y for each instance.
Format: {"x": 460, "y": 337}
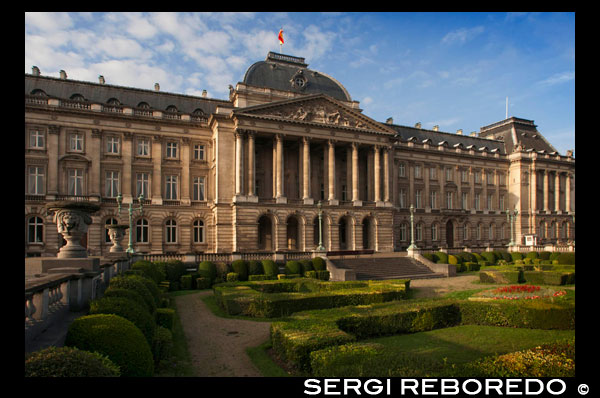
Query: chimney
{"x": 101, "y": 79}
{"x": 35, "y": 71}
{"x": 436, "y": 128}
{"x": 204, "y": 93}
{"x": 418, "y": 125}
{"x": 459, "y": 131}
{"x": 473, "y": 134}
{"x": 390, "y": 120}
{"x": 63, "y": 74}
{"x": 156, "y": 87}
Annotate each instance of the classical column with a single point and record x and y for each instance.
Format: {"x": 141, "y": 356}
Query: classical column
{"x": 557, "y": 191}
{"x": 126, "y": 154}
{"x": 53, "y": 134}
{"x": 567, "y": 192}
{"x": 386, "y": 175}
{"x": 95, "y": 153}
{"x": 185, "y": 171}
{"x": 546, "y": 177}
{"x": 306, "y": 171}
{"x": 239, "y": 167}
{"x": 251, "y": 163}
{"x": 426, "y": 179}
{"x": 355, "y": 198}
{"x": 156, "y": 170}
{"x": 279, "y": 194}
{"x": 533, "y": 189}
{"x": 331, "y": 172}
{"x": 376, "y": 174}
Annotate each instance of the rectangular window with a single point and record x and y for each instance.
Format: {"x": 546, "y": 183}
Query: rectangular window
{"x": 433, "y": 199}
{"x": 490, "y": 177}
{"x": 36, "y": 139}
{"x": 432, "y": 173}
{"x": 418, "y": 198}
{"x": 198, "y": 188}
{"x": 501, "y": 202}
{"x": 75, "y": 182}
{"x": 112, "y": 184}
{"x": 171, "y": 187}
{"x": 199, "y": 152}
{"x": 465, "y": 201}
{"x": 477, "y": 175}
{"x": 143, "y": 147}
{"x": 112, "y": 145}
{"x": 490, "y": 202}
{"x": 476, "y": 204}
{"x": 448, "y": 174}
{"x": 344, "y": 193}
{"x": 142, "y": 181}
{"x": 402, "y": 198}
{"x": 434, "y": 232}
{"x": 35, "y": 185}
{"x": 401, "y": 170}
{"x": 417, "y": 171}
{"x": 403, "y": 232}
{"x": 76, "y": 142}
{"x": 449, "y": 200}
{"x": 464, "y": 176}
{"x": 172, "y": 150}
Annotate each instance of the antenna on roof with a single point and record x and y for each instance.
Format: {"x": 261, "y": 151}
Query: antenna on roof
{"x": 506, "y": 108}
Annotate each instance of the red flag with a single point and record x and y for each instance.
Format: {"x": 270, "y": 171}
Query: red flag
{"x": 281, "y": 36}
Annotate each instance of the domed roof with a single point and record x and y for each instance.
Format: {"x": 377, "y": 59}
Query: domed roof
{"x": 289, "y": 73}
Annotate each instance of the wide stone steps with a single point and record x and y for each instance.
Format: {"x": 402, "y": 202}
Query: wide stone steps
{"x": 377, "y": 268}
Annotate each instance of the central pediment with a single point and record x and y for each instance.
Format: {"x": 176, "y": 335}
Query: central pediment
{"x": 318, "y": 109}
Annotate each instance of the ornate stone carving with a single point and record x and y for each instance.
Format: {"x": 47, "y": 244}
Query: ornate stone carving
{"x": 116, "y": 233}
{"x": 72, "y": 220}
{"x": 320, "y": 112}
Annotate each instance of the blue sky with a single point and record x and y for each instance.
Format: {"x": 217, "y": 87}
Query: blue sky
{"x": 454, "y": 70}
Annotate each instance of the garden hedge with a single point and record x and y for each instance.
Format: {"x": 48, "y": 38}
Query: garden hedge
{"x": 240, "y": 267}
{"x": 115, "y": 337}
{"x": 126, "y": 293}
{"x": 150, "y": 270}
{"x": 207, "y": 269}
{"x": 319, "y": 264}
{"x": 293, "y": 267}
{"x": 255, "y": 268}
{"x": 270, "y": 267}
{"x": 162, "y": 344}
{"x": 136, "y": 284}
{"x": 69, "y": 362}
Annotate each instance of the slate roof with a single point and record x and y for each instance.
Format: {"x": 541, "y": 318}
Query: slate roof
{"x": 278, "y": 70}
{"x": 525, "y": 134}
{"x": 127, "y": 96}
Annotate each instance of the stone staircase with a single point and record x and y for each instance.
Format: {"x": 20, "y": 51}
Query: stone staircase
{"x": 377, "y": 268}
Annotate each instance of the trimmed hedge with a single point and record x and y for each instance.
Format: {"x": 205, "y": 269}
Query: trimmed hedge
{"x": 203, "y": 283}
{"x": 129, "y": 310}
{"x": 150, "y": 270}
{"x": 165, "y": 317}
{"x": 442, "y": 258}
{"x": 128, "y": 294}
{"x": 556, "y": 278}
{"x": 233, "y": 277}
{"x": 207, "y": 269}
{"x": 69, "y": 362}
{"x": 491, "y": 257}
{"x": 240, "y": 267}
{"x": 516, "y": 256}
{"x": 566, "y": 258}
{"x": 117, "y": 338}
{"x": 270, "y": 267}
{"x": 162, "y": 344}
{"x": 136, "y": 284}
{"x": 501, "y": 276}
{"x": 293, "y": 267}
{"x": 319, "y": 264}
{"x": 255, "y": 268}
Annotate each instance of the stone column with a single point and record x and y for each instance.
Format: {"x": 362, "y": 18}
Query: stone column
{"x": 126, "y": 154}
{"x": 251, "y": 163}
{"x": 376, "y": 174}
{"x": 567, "y": 192}
{"x": 472, "y": 192}
{"x": 239, "y": 167}
{"x": 274, "y": 175}
{"x": 533, "y": 188}
{"x": 185, "y": 171}
{"x": 156, "y": 170}
{"x": 546, "y": 177}
{"x": 386, "y": 175}
{"x": 355, "y": 197}
{"x": 95, "y": 153}
{"x": 306, "y": 172}
{"x": 53, "y": 134}
{"x": 331, "y": 173}
{"x": 279, "y": 194}
{"x": 557, "y": 191}
{"x": 426, "y": 179}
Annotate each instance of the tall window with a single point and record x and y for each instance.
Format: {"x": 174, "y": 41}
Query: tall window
{"x": 141, "y": 231}
{"x": 35, "y": 184}
{"x": 402, "y": 198}
{"x": 464, "y": 176}
{"x": 477, "y": 175}
{"x": 476, "y": 204}
{"x": 490, "y": 202}
{"x": 143, "y": 147}
{"x": 433, "y": 199}
{"x": 418, "y": 198}
{"x": 401, "y": 170}
{"x": 171, "y": 187}
{"x": 172, "y": 150}
{"x": 198, "y": 189}
{"x": 465, "y": 201}
{"x": 449, "y": 200}
{"x": 75, "y": 182}
{"x": 434, "y": 232}
{"x": 198, "y": 231}
{"x": 76, "y": 142}
{"x": 419, "y": 232}
{"x": 501, "y": 202}
{"x": 112, "y": 184}
{"x": 448, "y": 174}
{"x": 142, "y": 181}
{"x": 417, "y": 171}
{"x": 35, "y": 230}
{"x": 403, "y": 234}
{"x": 479, "y": 230}
{"x": 36, "y": 139}
{"x": 171, "y": 231}
{"x": 490, "y": 177}
{"x": 491, "y": 232}
{"x": 432, "y": 173}
{"x": 110, "y": 221}
{"x": 199, "y": 152}
{"x": 112, "y": 145}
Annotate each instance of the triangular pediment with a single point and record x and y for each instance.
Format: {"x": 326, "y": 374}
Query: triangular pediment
{"x": 318, "y": 109}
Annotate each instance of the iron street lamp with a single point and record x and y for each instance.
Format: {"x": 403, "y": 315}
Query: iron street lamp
{"x": 130, "y": 211}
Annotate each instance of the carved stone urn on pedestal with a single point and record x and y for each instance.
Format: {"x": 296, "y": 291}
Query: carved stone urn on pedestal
{"x": 116, "y": 233}
{"x": 72, "y": 221}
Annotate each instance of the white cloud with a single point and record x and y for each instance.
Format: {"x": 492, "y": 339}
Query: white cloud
{"x": 367, "y": 101}
{"x": 48, "y": 21}
{"x": 462, "y": 35}
{"x": 558, "y": 78}
{"x": 140, "y": 27}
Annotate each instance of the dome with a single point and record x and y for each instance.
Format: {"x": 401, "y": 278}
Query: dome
{"x": 289, "y": 73}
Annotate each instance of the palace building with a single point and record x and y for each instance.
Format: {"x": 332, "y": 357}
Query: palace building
{"x": 246, "y": 174}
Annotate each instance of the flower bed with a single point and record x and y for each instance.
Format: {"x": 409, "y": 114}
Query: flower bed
{"x": 517, "y": 292}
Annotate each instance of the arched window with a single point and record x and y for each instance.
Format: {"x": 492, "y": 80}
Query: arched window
{"x": 143, "y": 105}
{"x": 35, "y": 230}
{"x": 171, "y": 231}
{"x": 39, "y": 93}
{"x": 172, "y": 109}
{"x": 141, "y": 231}
{"x": 110, "y": 221}
{"x": 77, "y": 97}
{"x": 198, "y": 231}
{"x": 113, "y": 101}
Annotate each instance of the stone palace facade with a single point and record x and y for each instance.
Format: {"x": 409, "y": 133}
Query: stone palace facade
{"x": 246, "y": 174}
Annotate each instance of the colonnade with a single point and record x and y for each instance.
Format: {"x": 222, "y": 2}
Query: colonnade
{"x": 381, "y": 189}
{"x": 547, "y": 204}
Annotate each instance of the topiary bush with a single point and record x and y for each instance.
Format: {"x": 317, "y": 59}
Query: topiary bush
{"x": 531, "y": 255}
{"x": 566, "y": 258}
{"x": 129, "y": 310}
{"x": 174, "y": 270}
{"x": 442, "y": 258}
{"x": 162, "y": 344}
{"x": 222, "y": 270}
{"x": 240, "y": 267}
{"x": 117, "y": 338}
{"x": 150, "y": 270}
{"x": 307, "y": 265}
{"x": 255, "y": 268}
{"x": 233, "y": 277}
{"x": 69, "y": 362}
{"x": 134, "y": 283}
{"x": 128, "y": 294}
{"x": 207, "y": 269}
{"x": 186, "y": 282}
{"x": 516, "y": 256}
{"x": 490, "y": 257}
{"x": 319, "y": 264}
{"x": 504, "y": 255}
{"x": 270, "y": 268}
{"x": 293, "y": 267}
{"x": 478, "y": 257}
{"x": 453, "y": 260}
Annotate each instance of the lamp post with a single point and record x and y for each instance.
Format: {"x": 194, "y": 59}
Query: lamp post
{"x": 130, "y": 211}
{"x": 412, "y": 229}
{"x": 320, "y": 248}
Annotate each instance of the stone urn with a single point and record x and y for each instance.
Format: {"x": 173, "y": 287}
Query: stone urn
{"x": 116, "y": 233}
{"x": 72, "y": 221}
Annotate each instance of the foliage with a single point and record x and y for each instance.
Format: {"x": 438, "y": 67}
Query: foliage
{"x": 293, "y": 267}
{"x": 136, "y": 284}
{"x": 255, "y": 267}
{"x": 117, "y": 338}
{"x": 233, "y": 277}
{"x": 165, "y": 317}
{"x": 207, "y": 269}
{"x": 162, "y": 344}
{"x": 126, "y": 293}
{"x": 240, "y": 267}
{"x": 69, "y": 362}
{"x": 442, "y": 258}
{"x": 566, "y": 258}
{"x": 319, "y": 264}
{"x": 270, "y": 267}
{"x": 150, "y": 270}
